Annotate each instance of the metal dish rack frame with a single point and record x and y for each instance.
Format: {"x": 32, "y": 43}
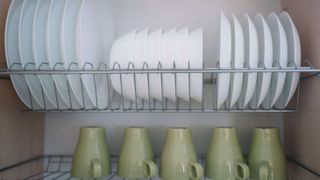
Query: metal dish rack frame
{"x": 119, "y": 103}
{"x": 58, "y": 167}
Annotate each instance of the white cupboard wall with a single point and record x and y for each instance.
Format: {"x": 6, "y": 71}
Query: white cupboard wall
{"x": 61, "y": 129}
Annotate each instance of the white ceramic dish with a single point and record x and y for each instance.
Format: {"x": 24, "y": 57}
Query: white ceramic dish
{"x": 95, "y": 35}
{"x": 280, "y": 59}
{"x": 25, "y": 51}
{"x": 265, "y": 58}
{"x": 251, "y": 57}
{"x": 69, "y": 56}
{"x": 294, "y": 57}
{"x": 53, "y": 49}
{"x": 181, "y": 60}
{"x": 167, "y": 60}
{"x": 154, "y": 55}
{"x": 139, "y": 59}
{"x": 238, "y": 60}
{"x": 121, "y": 53}
{"x": 225, "y": 54}
{"x": 39, "y": 51}
{"x": 196, "y": 62}
{"x": 12, "y": 53}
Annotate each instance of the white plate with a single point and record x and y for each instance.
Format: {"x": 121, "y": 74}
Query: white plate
{"x": 39, "y": 51}
{"x": 12, "y": 54}
{"x": 181, "y": 60}
{"x": 53, "y": 31}
{"x": 266, "y": 60}
{"x": 69, "y": 56}
{"x": 139, "y": 59}
{"x": 154, "y": 55}
{"x": 167, "y": 60}
{"x": 238, "y": 61}
{"x": 95, "y": 35}
{"x": 294, "y": 57}
{"x": 280, "y": 58}
{"x": 25, "y": 49}
{"x": 120, "y": 55}
{"x": 251, "y": 57}
{"x": 196, "y": 62}
{"x": 225, "y": 59}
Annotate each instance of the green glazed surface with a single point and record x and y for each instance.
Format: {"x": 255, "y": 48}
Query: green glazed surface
{"x": 224, "y": 158}
{"x": 179, "y": 159}
{"x": 91, "y": 157}
{"x": 136, "y": 158}
{"x": 267, "y": 159}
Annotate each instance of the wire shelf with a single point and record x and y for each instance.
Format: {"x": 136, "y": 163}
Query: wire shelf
{"x": 118, "y": 101}
{"x": 58, "y": 167}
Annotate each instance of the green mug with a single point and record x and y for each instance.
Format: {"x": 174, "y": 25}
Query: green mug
{"x": 91, "y": 157}
{"x": 267, "y": 159}
{"x": 179, "y": 159}
{"x": 225, "y": 158}
{"x": 136, "y": 160}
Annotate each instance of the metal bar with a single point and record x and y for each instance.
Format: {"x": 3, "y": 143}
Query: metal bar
{"x": 21, "y": 163}
{"x": 314, "y": 172}
{"x": 170, "y": 111}
{"x": 142, "y": 71}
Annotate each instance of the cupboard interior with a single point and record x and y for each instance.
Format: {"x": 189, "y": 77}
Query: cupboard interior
{"x": 25, "y": 135}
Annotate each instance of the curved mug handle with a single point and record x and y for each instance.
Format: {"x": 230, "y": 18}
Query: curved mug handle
{"x": 264, "y": 171}
{"x": 149, "y": 168}
{"x": 96, "y": 168}
{"x": 241, "y": 171}
{"x": 195, "y": 170}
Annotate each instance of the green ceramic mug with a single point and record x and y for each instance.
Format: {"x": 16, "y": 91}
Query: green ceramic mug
{"x": 91, "y": 157}
{"x": 225, "y": 158}
{"x": 179, "y": 159}
{"x": 136, "y": 160}
{"x": 267, "y": 159}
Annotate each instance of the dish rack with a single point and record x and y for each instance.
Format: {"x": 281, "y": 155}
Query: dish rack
{"x": 118, "y": 103}
{"x": 58, "y": 167}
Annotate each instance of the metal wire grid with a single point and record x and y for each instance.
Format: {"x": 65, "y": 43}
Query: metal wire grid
{"x": 118, "y": 103}
{"x": 58, "y": 167}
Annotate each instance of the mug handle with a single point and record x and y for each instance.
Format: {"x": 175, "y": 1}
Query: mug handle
{"x": 264, "y": 170}
{"x": 96, "y": 168}
{"x": 241, "y": 170}
{"x": 149, "y": 168}
{"x": 195, "y": 170}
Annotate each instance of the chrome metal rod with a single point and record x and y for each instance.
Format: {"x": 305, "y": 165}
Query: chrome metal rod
{"x": 155, "y": 71}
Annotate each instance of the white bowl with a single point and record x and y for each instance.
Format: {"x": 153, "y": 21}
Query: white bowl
{"x": 139, "y": 60}
{"x": 181, "y": 60}
{"x": 154, "y": 55}
{"x": 167, "y": 61}
{"x": 121, "y": 54}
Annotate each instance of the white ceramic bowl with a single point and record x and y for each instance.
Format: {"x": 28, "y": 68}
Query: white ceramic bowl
{"x": 121, "y": 53}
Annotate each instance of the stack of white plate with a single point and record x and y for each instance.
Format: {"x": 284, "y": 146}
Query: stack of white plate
{"x": 167, "y": 49}
{"x": 59, "y": 35}
{"x": 267, "y": 43}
